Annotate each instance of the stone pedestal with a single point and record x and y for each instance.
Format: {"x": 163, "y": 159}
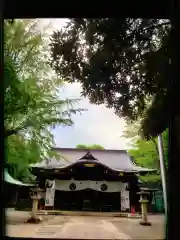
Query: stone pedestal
{"x": 35, "y": 198}
{"x": 144, "y": 214}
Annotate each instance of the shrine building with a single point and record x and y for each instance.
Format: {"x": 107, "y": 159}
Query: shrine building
{"x": 89, "y": 180}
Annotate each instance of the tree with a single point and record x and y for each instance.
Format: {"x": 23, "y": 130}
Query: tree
{"x": 89, "y": 147}
{"x": 132, "y": 131}
{"x": 145, "y": 152}
{"x": 32, "y": 104}
{"x": 119, "y": 62}
{"x": 27, "y": 46}
{"x": 165, "y": 136}
{"x": 21, "y": 153}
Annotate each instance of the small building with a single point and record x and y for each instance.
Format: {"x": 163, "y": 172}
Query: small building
{"x": 12, "y": 189}
{"x": 94, "y": 180}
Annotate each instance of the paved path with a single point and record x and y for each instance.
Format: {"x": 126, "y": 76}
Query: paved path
{"x": 80, "y": 227}
{"x": 85, "y": 227}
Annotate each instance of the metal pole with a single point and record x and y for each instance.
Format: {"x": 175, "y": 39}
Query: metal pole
{"x": 162, "y": 168}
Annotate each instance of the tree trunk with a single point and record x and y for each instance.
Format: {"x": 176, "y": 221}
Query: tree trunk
{"x": 173, "y": 221}
{"x": 157, "y": 152}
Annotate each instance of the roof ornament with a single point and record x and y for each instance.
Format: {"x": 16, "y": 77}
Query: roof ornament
{"x": 88, "y": 156}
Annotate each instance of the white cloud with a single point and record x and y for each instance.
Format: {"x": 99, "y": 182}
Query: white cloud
{"x": 98, "y": 125}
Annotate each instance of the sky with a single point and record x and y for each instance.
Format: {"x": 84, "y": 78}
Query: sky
{"x": 96, "y": 125}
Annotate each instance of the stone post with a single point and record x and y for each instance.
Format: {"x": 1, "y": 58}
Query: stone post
{"x": 35, "y": 198}
{"x": 144, "y": 203}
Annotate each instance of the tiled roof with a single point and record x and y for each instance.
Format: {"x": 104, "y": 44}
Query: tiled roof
{"x": 114, "y": 159}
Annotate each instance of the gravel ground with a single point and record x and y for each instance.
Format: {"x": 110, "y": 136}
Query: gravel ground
{"x": 132, "y": 227}
{"x": 84, "y": 227}
{"x": 19, "y": 217}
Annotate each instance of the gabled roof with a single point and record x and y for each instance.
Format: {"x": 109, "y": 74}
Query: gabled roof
{"x": 115, "y": 159}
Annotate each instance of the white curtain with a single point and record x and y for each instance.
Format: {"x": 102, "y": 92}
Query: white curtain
{"x": 50, "y": 192}
{"x": 125, "y": 202}
{"x": 63, "y": 185}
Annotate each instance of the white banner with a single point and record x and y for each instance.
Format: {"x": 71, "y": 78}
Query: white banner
{"x": 50, "y": 192}
{"x": 125, "y": 203}
{"x": 64, "y": 185}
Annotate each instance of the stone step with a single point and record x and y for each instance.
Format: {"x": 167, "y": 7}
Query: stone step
{"x": 88, "y": 213}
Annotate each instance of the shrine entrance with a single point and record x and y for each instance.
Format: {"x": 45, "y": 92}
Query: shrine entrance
{"x": 87, "y": 200}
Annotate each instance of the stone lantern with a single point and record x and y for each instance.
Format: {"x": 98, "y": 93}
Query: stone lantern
{"x": 144, "y": 203}
{"x": 35, "y": 196}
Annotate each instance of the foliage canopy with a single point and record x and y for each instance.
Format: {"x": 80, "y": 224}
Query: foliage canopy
{"x": 32, "y": 104}
{"x": 119, "y": 62}
{"x": 94, "y": 146}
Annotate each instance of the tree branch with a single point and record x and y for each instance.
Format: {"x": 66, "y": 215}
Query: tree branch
{"x": 157, "y": 26}
{"x": 9, "y": 132}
